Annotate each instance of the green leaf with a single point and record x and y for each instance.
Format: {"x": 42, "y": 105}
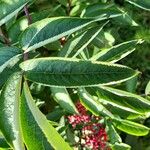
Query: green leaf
{"x": 123, "y": 112}
{"x": 9, "y": 59}
{"x": 51, "y": 29}
{"x": 54, "y": 46}
{"x": 111, "y": 10}
{"x": 125, "y": 19}
{"x": 147, "y": 89}
{"x": 112, "y": 133}
{"x": 7, "y": 72}
{"x": 3, "y": 143}
{"x": 143, "y": 33}
{"x": 99, "y": 9}
{"x": 63, "y": 2}
{"x": 36, "y": 88}
{"x": 120, "y": 146}
{"x": 9, "y": 56}
{"x": 104, "y": 39}
{"x": 5, "y": 149}
{"x": 1, "y": 45}
{"x": 56, "y": 114}
{"x": 76, "y": 10}
{"x": 9, "y": 111}
{"x": 77, "y": 44}
{"x": 116, "y": 52}
{"x": 9, "y": 8}
{"x": 22, "y": 23}
{"x": 131, "y": 127}
{"x": 70, "y": 136}
{"x": 126, "y": 99}
{"x": 37, "y": 132}
{"x": 61, "y": 96}
{"x": 131, "y": 85}
{"x": 92, "y": 105}
{"x": 74, "y": 72}
{"x": 144, "y": 4}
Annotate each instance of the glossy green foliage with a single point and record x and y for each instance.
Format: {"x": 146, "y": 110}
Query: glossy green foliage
{"x": 74, "y": 72}
{"x": 64, "y": 69}
{"x": 147, "y": 90}
{"x": 93, "y": 105}
{"x": 116, "y": 52}
{"x": 22, "y": 23}
{"x": 39, "y": 35}
{"x": 125, "y": 99}
{"x": 9, "y": 114}
{"x": 9, "y": 56}
{"x": 33, "y": 121}
{"x": 61, "y": 96}
{"x": 131, "y": 127}
{"x": 9, "y": 60}
{"x": 110, "y": 10}
{"x": 76, "y": 45}
{"x": 120, "y": 146}
{"x": 145, "y": 4}
{"x": 9, "y": 8}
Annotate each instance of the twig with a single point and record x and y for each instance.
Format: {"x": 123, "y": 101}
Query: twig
{"x": 26, "y": 55}
{"x": 27, "y": 15}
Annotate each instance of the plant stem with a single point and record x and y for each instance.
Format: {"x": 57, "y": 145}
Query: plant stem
{"x": 26, "y": 55}
{"x": 69, "y": 7}
{"x": 27, "y": 15}
{"x": 6, "y": 40}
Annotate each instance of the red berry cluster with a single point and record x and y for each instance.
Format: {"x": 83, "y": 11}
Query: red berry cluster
{"x": 93, "y": 133}
{"x": 75, "y": 120}
{"x": 95, "y": 136}
{"x": 80, "y": 119}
